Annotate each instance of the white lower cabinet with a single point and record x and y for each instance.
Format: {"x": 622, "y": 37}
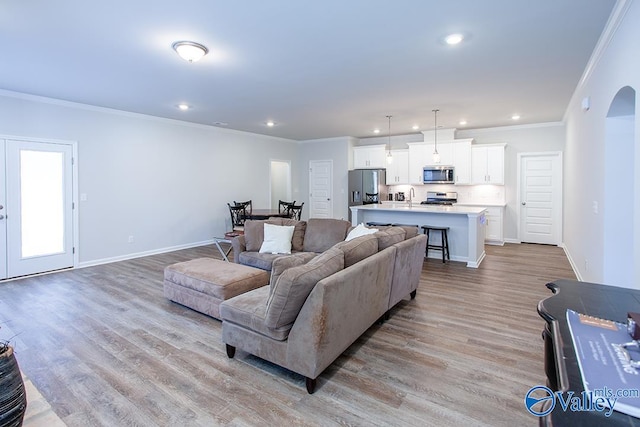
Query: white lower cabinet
{"x": 493, "y": 231}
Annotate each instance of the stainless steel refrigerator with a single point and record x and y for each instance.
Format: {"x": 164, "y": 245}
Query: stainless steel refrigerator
{"x": 363, "y": 181}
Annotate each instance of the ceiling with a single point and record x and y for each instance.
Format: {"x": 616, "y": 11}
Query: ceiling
{"x": 318, "y": 69}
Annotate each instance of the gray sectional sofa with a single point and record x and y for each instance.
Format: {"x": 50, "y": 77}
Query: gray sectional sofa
{"x": 317, "y": 305}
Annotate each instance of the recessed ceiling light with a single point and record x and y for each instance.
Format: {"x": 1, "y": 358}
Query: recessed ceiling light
{"x": 183, "y": 107}
{"x": 190, "y": 51}
{"x": 220, "y": 124}
{"x": 415, "y": 127}
{"x": 463, "y": 122}
{"x": 515, "y": 117}
{"x": 271, "y": 123}
{"x": 376, "y": 131}
{"x": 453, "y": 39}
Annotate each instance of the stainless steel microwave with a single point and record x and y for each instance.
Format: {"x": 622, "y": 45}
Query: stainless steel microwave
{"x": 438, "y": 175}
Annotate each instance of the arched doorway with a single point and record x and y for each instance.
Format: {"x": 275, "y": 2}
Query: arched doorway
{"x": 621, "y": 247}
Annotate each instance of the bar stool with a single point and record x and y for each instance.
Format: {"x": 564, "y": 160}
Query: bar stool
{"x": 378, "y": 224}
{"x": 444, "y": 246}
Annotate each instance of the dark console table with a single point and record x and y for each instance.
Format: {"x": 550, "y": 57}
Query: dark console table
{"x": 561, "y": 365}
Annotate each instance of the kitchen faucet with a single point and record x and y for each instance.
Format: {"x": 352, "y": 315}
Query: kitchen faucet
{"x": 412, "y": 194}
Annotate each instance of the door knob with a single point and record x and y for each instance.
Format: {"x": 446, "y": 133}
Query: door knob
{"x": 524, "y": 203}
{"x": 1, "y": 207}
{"x": 1, "y": 216}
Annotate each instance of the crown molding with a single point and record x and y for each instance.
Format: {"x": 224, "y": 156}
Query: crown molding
{"x": 613, "y": 23}
{"x": 122, "y": 113}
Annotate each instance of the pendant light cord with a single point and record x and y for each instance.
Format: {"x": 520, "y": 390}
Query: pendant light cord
{"x": 435, "y": 131}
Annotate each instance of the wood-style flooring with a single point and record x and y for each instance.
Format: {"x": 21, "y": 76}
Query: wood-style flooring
{"x": 105, "y": 348}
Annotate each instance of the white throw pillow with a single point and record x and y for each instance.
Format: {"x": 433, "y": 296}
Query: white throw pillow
{"x": 360, "y": 230}
{"x": 277, "y": 239}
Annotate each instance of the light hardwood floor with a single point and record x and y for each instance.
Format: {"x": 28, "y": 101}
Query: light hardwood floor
{"x": 105, "y": 348}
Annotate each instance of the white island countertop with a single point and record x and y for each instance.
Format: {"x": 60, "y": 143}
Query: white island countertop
{"x": 416, "y": 207}
{"x": 466, "y": 224}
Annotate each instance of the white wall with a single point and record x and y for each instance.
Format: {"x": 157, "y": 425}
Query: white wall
{"x": 519, "y": 139}
{"x": 164, "y": 182}
{"x": 339, "y": 151}
{"x": 617, "y": 66}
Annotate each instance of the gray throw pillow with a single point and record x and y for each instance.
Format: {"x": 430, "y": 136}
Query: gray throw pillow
{"x": 296, "y": 283}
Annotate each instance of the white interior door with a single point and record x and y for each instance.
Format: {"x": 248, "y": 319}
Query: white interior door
{"x": 320, "y": 189}
{"x": 39, "y": 207}
{"x": 540, "y": 196}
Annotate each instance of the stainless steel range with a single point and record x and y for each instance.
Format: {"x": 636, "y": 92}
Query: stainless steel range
{"x": 437, "y": 198}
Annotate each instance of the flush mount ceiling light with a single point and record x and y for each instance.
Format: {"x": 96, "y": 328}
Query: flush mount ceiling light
{"x": 415, "y": 127}
{"x": 453, "y": 39}
{"x": 190, "y": 51}
{"x": 376, "y": 131}
{"x": 463, "y": 122}
{"x": 183, "y": 107}
{"x": 271, "y": 123}
{"x": 515, "y": 117}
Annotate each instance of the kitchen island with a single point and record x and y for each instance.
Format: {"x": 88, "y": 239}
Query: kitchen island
{"x": 466, "y": 225}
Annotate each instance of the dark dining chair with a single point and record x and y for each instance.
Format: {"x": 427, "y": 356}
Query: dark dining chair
{"x": 283, "y": 207}
{"x": 295, "y": 211}
{"x": 238, "y": 214}
{"x": 370, "y": 198}
{"x": 247, "y": 206}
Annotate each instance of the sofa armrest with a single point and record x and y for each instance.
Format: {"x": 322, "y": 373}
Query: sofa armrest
{"x": 239, "y": 245}
{"x": 407, "y": 268}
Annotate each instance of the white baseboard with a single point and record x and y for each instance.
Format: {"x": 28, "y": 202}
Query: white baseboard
{"x": 516, "y": 241}
{"x": 143, "y": 254}
{"x": 571, "y": 262}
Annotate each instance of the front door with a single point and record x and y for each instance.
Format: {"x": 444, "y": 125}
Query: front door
{"x": 37, "y": 228}
{"x": 540, "y": 196}
{"x": 320, "y": 189}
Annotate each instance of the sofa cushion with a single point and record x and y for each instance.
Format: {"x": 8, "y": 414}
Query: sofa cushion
{"x": 254, "y": 232}
{"x": 258, "y": 260}
{"x": 296, "y": 283}
{"x": 282, "y": 263}
{"x": 323, "y": 233}
{"x": 248, "y": 310}
{"x": 277, "y": 239}
{"x": 357, "y": 249}
{"x": 390, "y": 236}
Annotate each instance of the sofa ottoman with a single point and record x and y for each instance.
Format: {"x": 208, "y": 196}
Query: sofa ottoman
{"x": 202, "y": 284}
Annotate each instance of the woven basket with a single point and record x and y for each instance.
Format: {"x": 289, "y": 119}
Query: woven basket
{"x": 13, "y": 399}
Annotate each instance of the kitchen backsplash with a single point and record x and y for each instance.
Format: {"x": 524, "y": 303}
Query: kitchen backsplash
{"x": 493, "y": 194}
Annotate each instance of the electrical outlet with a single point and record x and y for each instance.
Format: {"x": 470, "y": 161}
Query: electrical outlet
{"x": 130, "y": 239}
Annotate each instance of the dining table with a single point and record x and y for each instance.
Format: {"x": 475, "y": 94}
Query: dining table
{"x": 266, "y": 213}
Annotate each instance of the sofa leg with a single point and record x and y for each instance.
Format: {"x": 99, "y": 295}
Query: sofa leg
{"x": 413, "y": 294}
{"x": 231, "y": 351}
{"x": 311, "y": 385}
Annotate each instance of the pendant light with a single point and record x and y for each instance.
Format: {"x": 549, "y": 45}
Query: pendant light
{"x": 389, "y": 156}
{"x": 436, "y": 155}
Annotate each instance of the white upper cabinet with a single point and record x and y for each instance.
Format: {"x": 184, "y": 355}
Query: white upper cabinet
{"x": 398, "y": 169}
{"x": 461, "y": 151}
{"x": 417, "y": 160}
{"x": 444, "y": 149}
{"x": 370, "y": 156}
{"x": 487, "y": 164}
